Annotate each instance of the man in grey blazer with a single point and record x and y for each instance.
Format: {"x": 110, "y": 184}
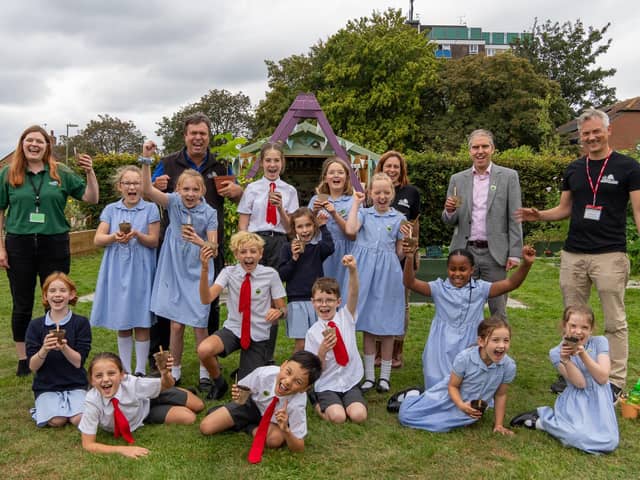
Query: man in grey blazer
{"x": 481, "y": 202}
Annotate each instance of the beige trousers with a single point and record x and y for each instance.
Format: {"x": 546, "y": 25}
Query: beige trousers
{"x": 609, "y": 272}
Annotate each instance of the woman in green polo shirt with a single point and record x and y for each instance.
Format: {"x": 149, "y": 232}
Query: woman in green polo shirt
{"x": 33, "y": 194}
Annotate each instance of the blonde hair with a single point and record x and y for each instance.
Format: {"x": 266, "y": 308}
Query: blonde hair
{"x": 323, "y": 187}
{"x": 64, "y": 279}
{"x": 242, "y": 238}
{"x": 116, "y": 178}
{"x": 191, "y": 173}
{"x": 382, "y": 177}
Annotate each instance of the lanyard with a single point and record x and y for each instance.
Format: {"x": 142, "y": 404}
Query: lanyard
{"x": 594, "y": 189}
{"x": 36, "y": 190}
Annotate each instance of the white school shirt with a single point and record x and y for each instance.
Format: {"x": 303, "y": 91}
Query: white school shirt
{"x": 336, "y": 378}
{"x": 134, "y": 395}
{"x": 254, "y": 203}
{"x": 265, "y": 285}
{"x": 262, "y": 382}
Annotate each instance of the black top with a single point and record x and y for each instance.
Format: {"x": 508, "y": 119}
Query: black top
{"x": 621, "y": 176}
{"x": 407, "y": 201}
{"x": 300, "y": 275}
{"x": 56, "y": 373}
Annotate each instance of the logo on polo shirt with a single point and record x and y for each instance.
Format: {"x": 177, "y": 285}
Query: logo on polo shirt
{"x": 610, "y": 179}
{"x": 54, "y": 183}
{"x": 404, "y": 202}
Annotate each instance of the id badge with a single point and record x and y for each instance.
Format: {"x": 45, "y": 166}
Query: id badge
{"x": 592, "y": 212}
{"x": 36, "y": 217}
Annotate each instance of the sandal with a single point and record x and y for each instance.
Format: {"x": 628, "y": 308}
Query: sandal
{"x": 366, "y": 386}
{"x": 383, "y": 385}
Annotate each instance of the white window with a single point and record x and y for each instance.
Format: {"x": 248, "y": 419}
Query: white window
{"x": 491, "y": 52}
{"x": 473, "y": 49}
{"x": 446, "y": 47}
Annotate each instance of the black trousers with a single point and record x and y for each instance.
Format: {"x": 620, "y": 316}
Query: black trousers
{"x": 32, "y": 256}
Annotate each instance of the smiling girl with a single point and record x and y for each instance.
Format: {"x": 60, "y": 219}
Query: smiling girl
{"x": 377, "y": 250}
{"x": 129, "y": 231}
{"x": 459, "y": 304}
{"x": 192, "y": 222}
{"x": 60, "y": 381}
{"x": 584, "y": 416}
{"x": 300, "y": 266}
{"x": 479, "y": 373}
{"x": 121, "y": 403}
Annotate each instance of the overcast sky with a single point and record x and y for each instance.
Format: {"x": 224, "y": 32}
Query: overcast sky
{"x": 66, "y": 61}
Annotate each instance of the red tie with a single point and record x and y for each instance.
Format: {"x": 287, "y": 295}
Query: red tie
{"x": 257, "y": 447}
{"x": 120, "y": 423}
{"x": 272, "y": 218}
{"x": 244, "y": 308}
{"x": 339, "y": 350}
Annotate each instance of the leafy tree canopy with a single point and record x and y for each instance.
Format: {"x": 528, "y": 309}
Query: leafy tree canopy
{"x": 567, "y": 53}
{"x": 107, "y": 135}
{"x": 369, "y": 77}
{"x": 228, "y": 112}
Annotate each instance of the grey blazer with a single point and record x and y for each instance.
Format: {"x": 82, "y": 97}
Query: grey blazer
{"x": 504, "y": 233}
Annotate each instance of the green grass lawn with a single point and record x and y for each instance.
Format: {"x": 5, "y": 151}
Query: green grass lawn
{"x": 380, "y": 448}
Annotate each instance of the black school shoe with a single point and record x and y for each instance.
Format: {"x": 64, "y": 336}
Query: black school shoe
{"x": 526, "y": 419}
{"x": 559, "y": 385}
{"x": 218, "y": 388}
{"x": 616, "y": 392}
{"x": 394, "y": 402}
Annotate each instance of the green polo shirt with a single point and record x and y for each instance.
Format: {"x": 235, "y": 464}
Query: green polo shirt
{"x": 20, "y": 201}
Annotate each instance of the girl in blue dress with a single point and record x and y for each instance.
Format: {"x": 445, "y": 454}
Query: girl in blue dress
{"x": 459, "y": 307}
{"x": 377, "y": 249}
{"x": 583, "y": 416}
{"x": 129, "y": 230}
{"x": 481, "y": 372}
{"x": 175, "y": 288}
{"x": 334, "y": 195}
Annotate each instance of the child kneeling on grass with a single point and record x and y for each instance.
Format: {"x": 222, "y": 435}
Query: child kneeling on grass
{"x": 120, "y": 403}
{"x": 275, "y": 411}
{"x": 333, "y": 338}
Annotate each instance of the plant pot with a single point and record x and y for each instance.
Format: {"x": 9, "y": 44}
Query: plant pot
{"x": 629, "y": 410}
{"x": 220, "y": 179}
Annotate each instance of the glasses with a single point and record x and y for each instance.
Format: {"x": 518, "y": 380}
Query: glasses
{"x": 130, "y": 184}
{"x": 329, "y": 302}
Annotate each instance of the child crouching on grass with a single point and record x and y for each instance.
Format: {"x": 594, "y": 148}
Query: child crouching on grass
{"x": 333, "y": 338}
{"x": 120, "y": 403}
{"x": 274, "y": 413}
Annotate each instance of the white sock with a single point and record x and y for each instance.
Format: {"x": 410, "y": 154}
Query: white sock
{"x": 142, "y": 352}
{"x": 369, "y": 367}
{"x": 176, "y": 372}
{"x": 385, "y": 369}
{"x": 204, "y": 373}
{"x": 539, "y": 425}
{"x": 125, "y": 349}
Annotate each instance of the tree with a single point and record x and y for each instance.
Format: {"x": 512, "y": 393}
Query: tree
{"x": 229, "y": 113}
{"x": 369, "y": 78}
{"x": 567, "y": 53}
{"x": 501, "y": 93}
{"x": 106, "y": 135}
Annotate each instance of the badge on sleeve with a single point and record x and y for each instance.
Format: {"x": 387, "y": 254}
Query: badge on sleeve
{"x": 592, "y": 212}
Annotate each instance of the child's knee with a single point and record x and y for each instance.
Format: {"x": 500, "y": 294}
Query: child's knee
{"x": 336, "y": 414}
{"x": 357, "y": 412}
{"x": 275, "y": 439}
{"x": 57, "y": 422}
{"x": 180, "y": 416}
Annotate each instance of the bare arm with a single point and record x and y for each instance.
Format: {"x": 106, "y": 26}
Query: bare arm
{"x": 559, "y": 212}
{"x": 243, "y": 222}
{"x": 92, "y": 192}
{"x": 90, "y": 445}
{"x": 599, "y": 369}
{"x": 207, "y": 294}
{"x": 353, "y": 225}
{"x": 4, "y": 260}
{"x": 516, "y": 279}
{"x": 150, "y": 239}
{"x": 354, "y": 285}
{"x": 102, "y": 237}
{"x": 454, "y": 392}
{"x": 635, "y": 206}
{"x": 151, "y": 192}
{"x": 500, "y": 405}
{"x": 409, "y": 276}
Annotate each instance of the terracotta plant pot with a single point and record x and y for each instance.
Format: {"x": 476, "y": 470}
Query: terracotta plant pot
{"x": 628, "y": 410}
{"x": 220, "y": 179}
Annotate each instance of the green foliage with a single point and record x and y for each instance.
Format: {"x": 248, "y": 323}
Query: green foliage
{"x": 430, "y": 172}
{"x": 502, "y": 93}
{"x": 370, "y": 78}
{"x": 107, "y": 135}
{"x": 105, "y": 167}
{"x": 228, "y": 112}
{"x": 567, "y": 53}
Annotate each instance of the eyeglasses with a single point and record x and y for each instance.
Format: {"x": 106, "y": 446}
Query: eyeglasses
{"x": 328, "y": 302}
{"x": 130, "y": 184}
